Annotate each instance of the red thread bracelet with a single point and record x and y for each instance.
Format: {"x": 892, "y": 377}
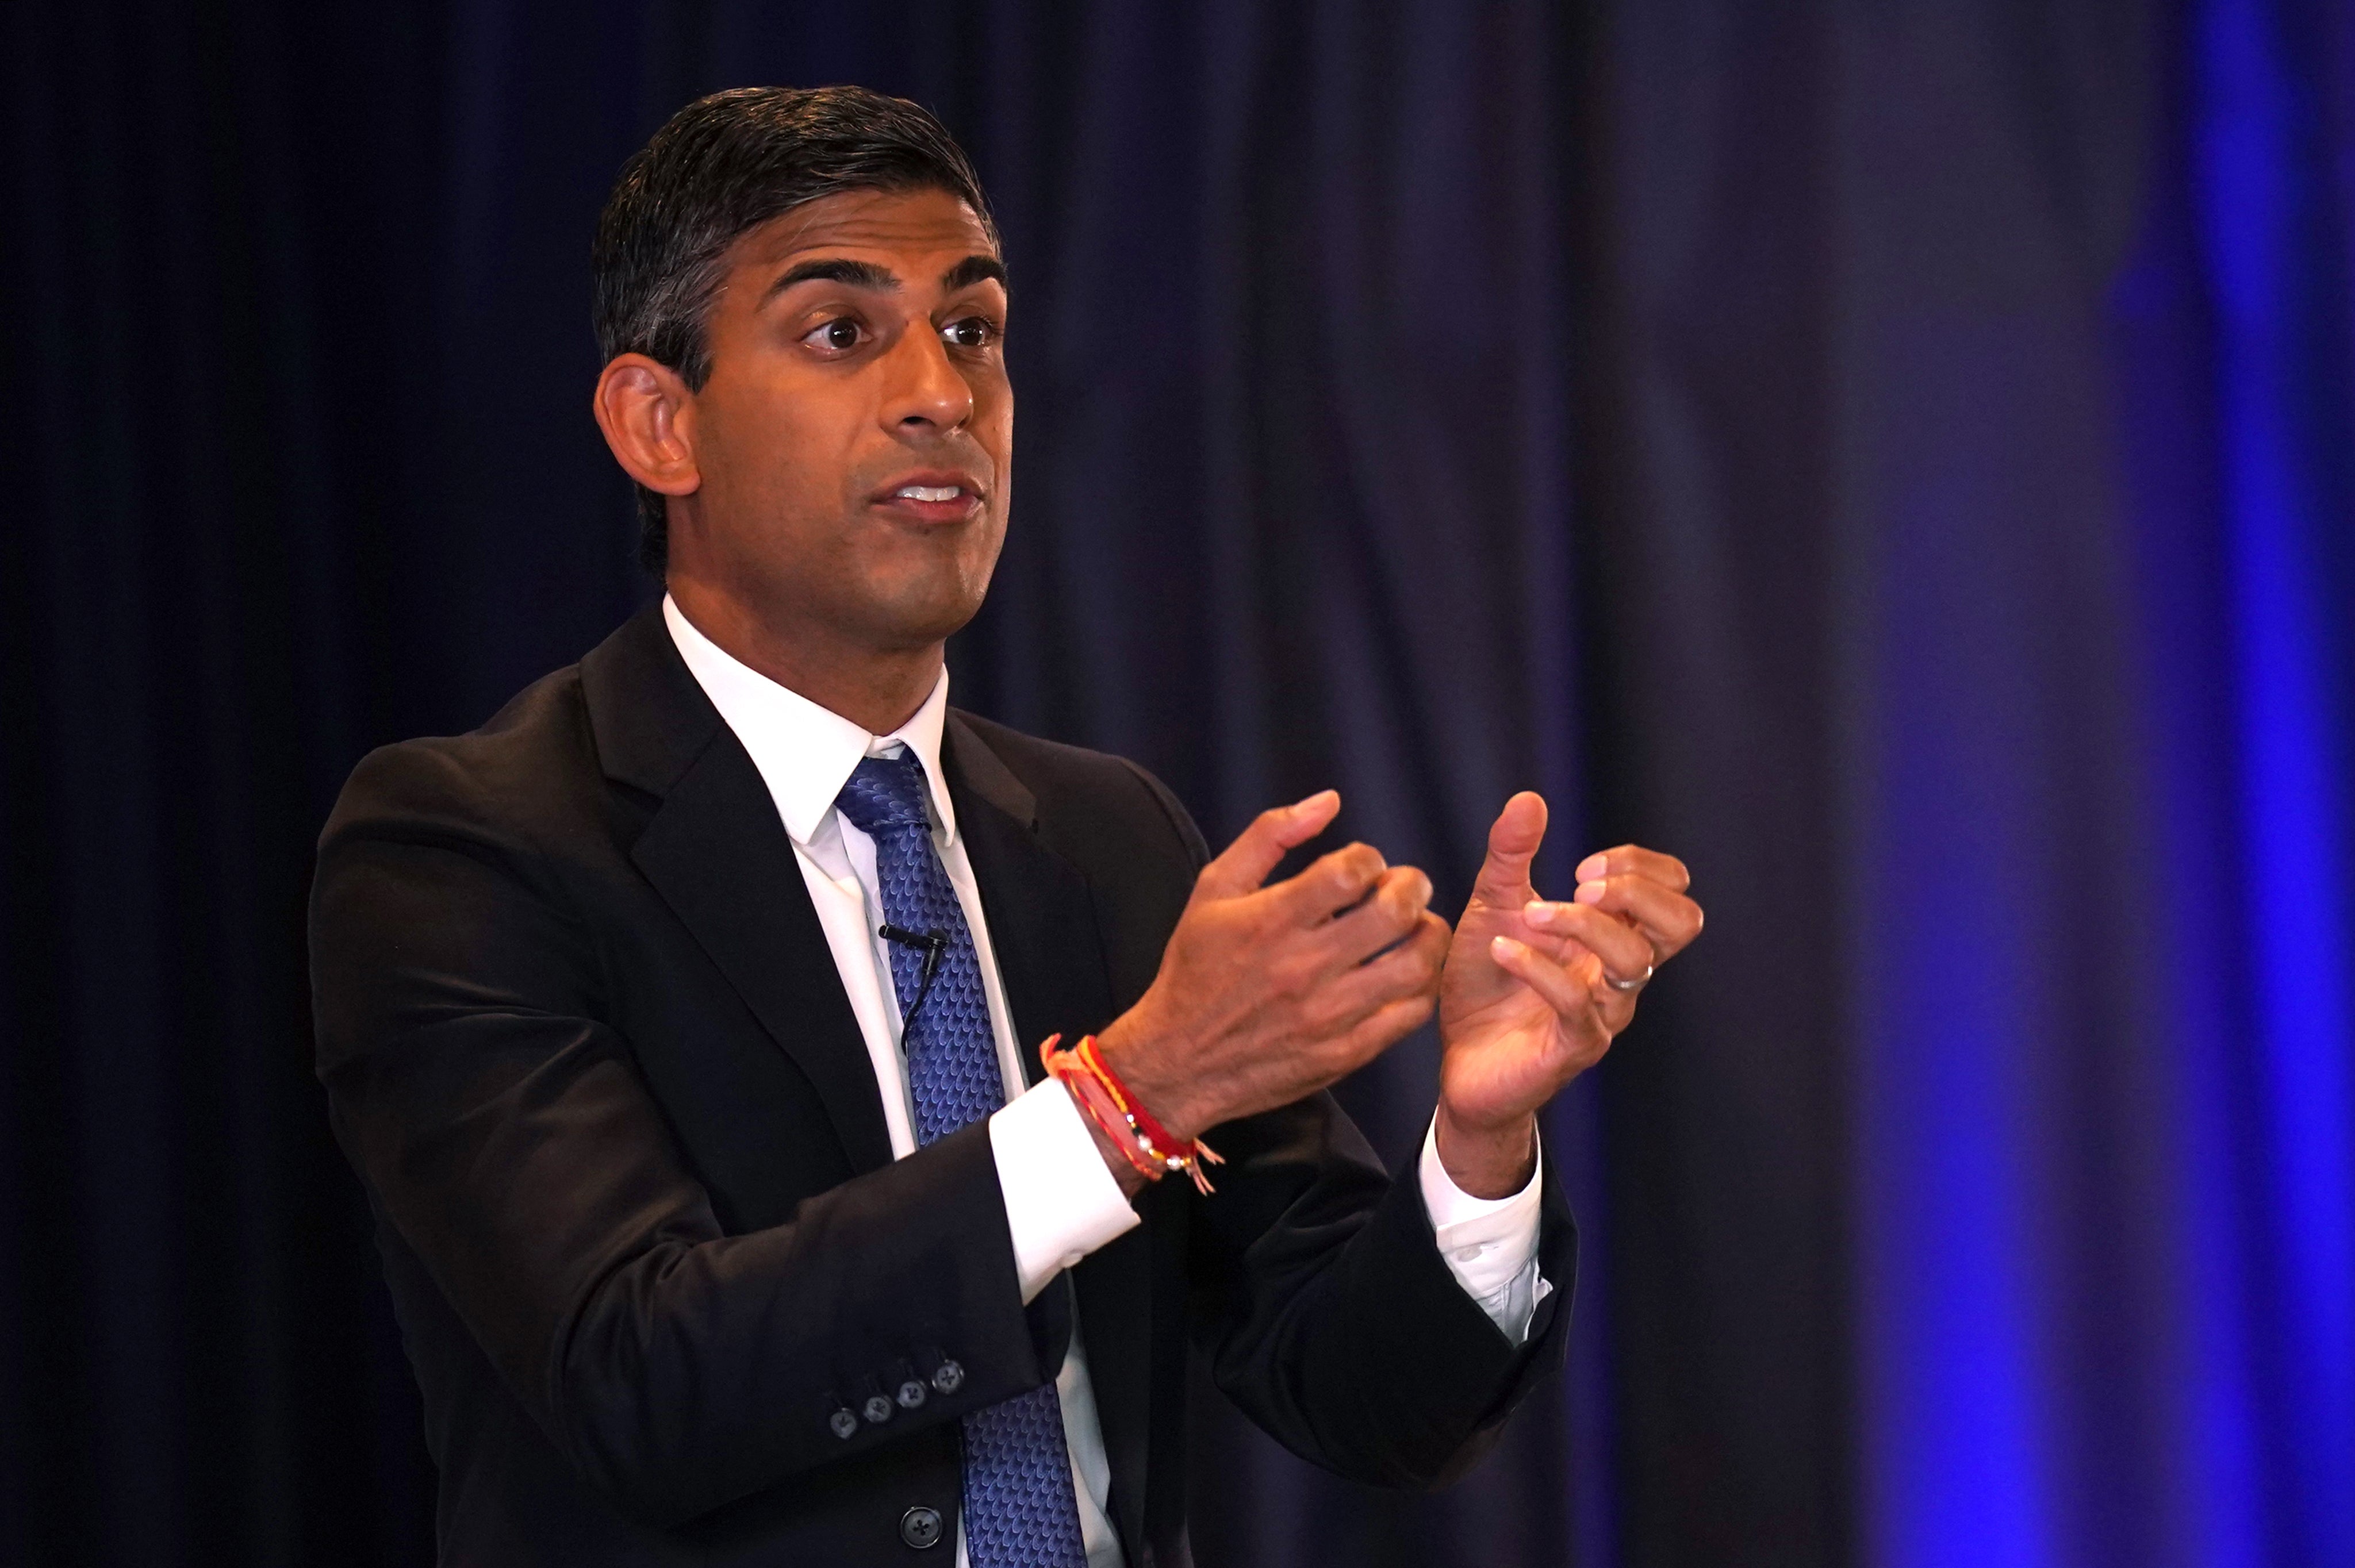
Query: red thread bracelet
{"x": 1151, "y": 1147}
{"x": 1095, "y": 1102}
{"x": 1098, "y": 1105}
{"x": 1147, "y": 1128}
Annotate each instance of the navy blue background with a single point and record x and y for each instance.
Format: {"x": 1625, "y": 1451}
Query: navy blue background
{"x": 1899, "y": 458}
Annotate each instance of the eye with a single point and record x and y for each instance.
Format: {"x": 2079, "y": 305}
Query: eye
{"x": 972, "y": 332}
{"x": 839, "y": 336}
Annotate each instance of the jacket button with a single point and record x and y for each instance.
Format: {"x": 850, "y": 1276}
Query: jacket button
{"x": 844, "y": 1424}
{"x": 877, "y": 1409}
{"x": 911, "y": 1394}
{"x": 921, "y": 1527}
{"x": 949, "y": 1377}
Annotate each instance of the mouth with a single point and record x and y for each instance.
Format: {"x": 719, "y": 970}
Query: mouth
{"x": 931, "y": 497}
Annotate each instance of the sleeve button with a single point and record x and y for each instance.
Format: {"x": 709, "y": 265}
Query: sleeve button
{"x": 877, "y": 1409}
{"x": 948, "y": 1377}
{"x": 844, "y": 1424}
{"x": 921, "y": 1527}
{"x": 911, "y": 1394}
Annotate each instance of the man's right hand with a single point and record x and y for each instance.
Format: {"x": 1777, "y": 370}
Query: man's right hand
{"x": 1267, "y": 994}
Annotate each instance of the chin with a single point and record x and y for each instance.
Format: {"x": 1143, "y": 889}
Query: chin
{"x": 925, "y": 608}
{"x": 920, "y": 620}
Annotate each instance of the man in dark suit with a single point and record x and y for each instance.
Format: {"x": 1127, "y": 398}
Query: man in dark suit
{"x": 684, "y": 1021}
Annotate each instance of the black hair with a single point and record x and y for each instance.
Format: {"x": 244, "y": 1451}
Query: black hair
{"x": 723, "y": 165}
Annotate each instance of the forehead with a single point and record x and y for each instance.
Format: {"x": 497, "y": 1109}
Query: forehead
{"x": 874, "y": 224}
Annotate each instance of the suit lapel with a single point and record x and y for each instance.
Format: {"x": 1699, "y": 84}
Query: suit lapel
{"x": 716, "y": 852}
{"x": 1042, "y": 919}
{"x": 1042, "y": 926}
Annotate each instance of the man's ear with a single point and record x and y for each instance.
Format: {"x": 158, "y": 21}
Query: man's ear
{"x": 648, "y": 417}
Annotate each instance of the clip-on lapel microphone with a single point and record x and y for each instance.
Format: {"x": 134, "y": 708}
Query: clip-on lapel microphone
{"x": 935, "y": 943}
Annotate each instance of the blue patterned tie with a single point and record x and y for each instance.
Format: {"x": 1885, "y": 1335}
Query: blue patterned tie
{"x": 1019, "y": 1510}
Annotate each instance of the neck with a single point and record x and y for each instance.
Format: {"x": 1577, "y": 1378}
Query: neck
{"x": 876, "y": 689}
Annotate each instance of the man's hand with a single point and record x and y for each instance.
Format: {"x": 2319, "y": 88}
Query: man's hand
{"x": 1267, "y": 994}
{"x": 1526, "y": 1002}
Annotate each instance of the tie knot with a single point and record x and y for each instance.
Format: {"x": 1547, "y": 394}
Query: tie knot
{"x": 885, "y": 792}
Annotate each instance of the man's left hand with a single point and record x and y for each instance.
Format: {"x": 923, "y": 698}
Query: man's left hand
{"x": 1526, "y": 1003}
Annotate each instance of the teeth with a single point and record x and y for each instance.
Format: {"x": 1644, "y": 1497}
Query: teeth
{"x": 927, "y": 492}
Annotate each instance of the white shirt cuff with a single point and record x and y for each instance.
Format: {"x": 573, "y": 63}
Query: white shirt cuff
{"x": 1061, "y": 1201}
{"x": 1489, "y": 1245}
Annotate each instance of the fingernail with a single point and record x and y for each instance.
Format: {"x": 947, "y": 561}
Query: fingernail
{"x": 1303, "y": 807}
{"x": 1591, "y": 868}
{"x": 1505, "y": 946}
{"x": 1590, "y": 892}
{"x": 1538, "y": 912}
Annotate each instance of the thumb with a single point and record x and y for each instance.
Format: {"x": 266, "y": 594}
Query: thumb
{"x": 1504, "y": 879}
{"x": 1245, "y": 862}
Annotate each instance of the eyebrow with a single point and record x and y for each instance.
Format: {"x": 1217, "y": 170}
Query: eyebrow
{"x": 971, "y": 270}
{"x": 867, "y": 275}
{"x": 836, "y": 270}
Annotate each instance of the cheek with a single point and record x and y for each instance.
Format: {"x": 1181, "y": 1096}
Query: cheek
{"x": 994, "y": 428}
{"x": 994, "y": 414}
{"x": 776, "y": 443}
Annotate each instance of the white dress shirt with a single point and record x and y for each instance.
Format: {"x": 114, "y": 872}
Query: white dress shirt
{"x": 1061, "y": 1201}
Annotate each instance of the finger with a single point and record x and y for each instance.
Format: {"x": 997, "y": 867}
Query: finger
{"x": 1409, "y": 969}
{"x": 1274, "y": 833}
{"x": 1616, "y": 1007}
{"x": 1401, "y": 898}
{"x": 1612, "y": 1006}
{"x": 1635, "y": 860}
{"x": 1669, "y": 920}
{"x": 1570, "y": 998}
{"x": 1333, "y": 883}
{"x": 1626, "y": 953}
{"x": 1513, "y": 841}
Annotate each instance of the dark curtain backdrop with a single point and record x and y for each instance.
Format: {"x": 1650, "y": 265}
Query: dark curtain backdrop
{"x": 1901, "y": 458}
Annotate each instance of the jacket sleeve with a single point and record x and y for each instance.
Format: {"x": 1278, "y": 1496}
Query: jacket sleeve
{"x": 1329, "y": 1318}
{"x": 507, "y": 1136}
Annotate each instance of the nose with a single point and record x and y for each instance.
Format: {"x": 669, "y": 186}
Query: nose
{"x": 923, "y": 392}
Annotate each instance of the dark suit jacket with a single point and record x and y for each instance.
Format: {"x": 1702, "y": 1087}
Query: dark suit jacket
{"x": 584, "y": 1042}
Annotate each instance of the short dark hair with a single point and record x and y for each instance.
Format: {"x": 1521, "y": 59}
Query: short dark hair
{"x": 723, "y": 165}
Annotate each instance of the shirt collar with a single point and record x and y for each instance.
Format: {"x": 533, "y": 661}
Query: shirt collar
{"x": 805, "y": 753}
